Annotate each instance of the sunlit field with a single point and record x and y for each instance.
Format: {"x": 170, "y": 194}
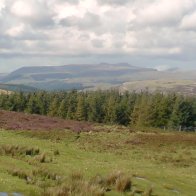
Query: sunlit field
{"x": 110, "y": 160}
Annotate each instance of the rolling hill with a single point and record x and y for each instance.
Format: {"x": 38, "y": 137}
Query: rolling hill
{"x": 100, "y": 76}
{"x": 45, "y": 156}
{"x": 73, "y": 76}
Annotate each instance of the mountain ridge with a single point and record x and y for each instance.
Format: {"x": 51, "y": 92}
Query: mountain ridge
{"x": 71, "y": 76}
{"x": 94, "y": 76}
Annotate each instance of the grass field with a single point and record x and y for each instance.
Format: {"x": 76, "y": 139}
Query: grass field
{"x": 110, "y": 161}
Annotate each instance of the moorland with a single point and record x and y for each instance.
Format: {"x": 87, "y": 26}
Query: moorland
{"x": 99, "y": 160}
{"x": 97, "y": 143}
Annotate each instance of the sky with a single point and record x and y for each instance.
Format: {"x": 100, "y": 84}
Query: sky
{"x": 147, "y": 33}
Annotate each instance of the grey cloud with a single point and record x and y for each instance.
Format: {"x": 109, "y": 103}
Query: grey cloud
{"x": 98, "y": 43}
{"x": 32, "y": 36}
{"x": 88, "y": 21}
{"x": 44, "y": 22}
{"x": 84, "y": 37}
{"x": 68, "y": 1}
{"x": 6, "y": 43}
{"x": 113, "y": 2}
{"x": 10, "y": 47}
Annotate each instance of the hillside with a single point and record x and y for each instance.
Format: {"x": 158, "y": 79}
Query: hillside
{"x": 50, "y": 159}
{"x": 16, "y": 87}
{"x": 80, "y": 76}
{"x": 141, "y": 109}
{"x": 21, "y": 121}
{"x": 100, "y": 76}
{"x": 187, "y": 87}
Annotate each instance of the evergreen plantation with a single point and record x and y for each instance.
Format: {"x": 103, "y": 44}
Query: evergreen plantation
{"x": 138, "y": 109}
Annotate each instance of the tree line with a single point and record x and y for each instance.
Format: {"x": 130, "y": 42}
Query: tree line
{"x": 139, "y": 109}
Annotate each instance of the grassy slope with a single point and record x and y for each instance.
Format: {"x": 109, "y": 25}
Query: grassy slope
{"x": 165, "y": 162}
{"x": 172, "y": 85}
{"x": 16, "y": 87}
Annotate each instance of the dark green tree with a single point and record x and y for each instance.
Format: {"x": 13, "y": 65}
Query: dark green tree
{"x": 81, "y": 113}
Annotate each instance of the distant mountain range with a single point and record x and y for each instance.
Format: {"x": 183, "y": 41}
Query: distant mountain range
{"x": 87, "y": 76}
{"x": 72, "y": 76}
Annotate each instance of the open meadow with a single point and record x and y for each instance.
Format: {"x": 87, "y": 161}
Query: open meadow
{"x": 106, "y": 160}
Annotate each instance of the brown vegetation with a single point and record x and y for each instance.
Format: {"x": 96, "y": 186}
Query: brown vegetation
{"x": 22, "y": 121}
{"x": 97, "y": 186}
{"x": 123, "y": 184}
{"x": 13, "y": 150}
{"x": 161, "y": 139}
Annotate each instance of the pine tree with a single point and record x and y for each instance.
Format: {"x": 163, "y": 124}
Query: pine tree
{"x": 72, "y": 105}
{"x": 43, "y": 102}
{"x": 95, "y": 102}
{"x": 54, "y": 107}
{"x": 110, "y": 108}
{"x": 81, "y": 113}
{"x": 62, "y": 112}
{"x": 141, "y": 109}
{"x": 123, "y": 110}
{"x": 142, "y": 112}
{"x": 182, "y": 114}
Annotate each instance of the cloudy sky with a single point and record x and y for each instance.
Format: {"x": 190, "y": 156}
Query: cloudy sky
{"x": 148, "y": 33}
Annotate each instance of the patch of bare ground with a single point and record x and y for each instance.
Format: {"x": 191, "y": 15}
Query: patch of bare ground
{"x": 22, "y": 121}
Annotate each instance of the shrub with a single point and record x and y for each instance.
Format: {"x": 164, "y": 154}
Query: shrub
{"x": 17, "y": 150}
{"x": 111, "y": 179}
{"x": 123, "y": 184}
{"x": 32, "y": 151}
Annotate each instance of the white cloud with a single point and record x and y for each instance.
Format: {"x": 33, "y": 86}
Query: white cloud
{"x": 189, "y": 22}
{"x": 151, "y": 28}
{"x": 23, "y": 8}
{"x": 163, "y": 12}
{"x": 175, "y": 50}
{"x": 165, "y": 68}
{"x": 15, "y": 31}
{"x": 32, "y": 12}
{"x": 2, "y": 5}
{"x": 162, "y": 67}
